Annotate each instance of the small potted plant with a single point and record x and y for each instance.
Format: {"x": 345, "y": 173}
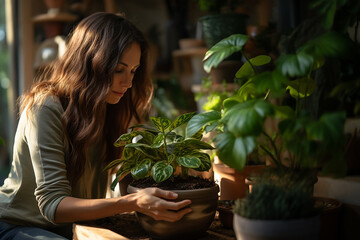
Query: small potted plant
{"x": 161, "y": 157}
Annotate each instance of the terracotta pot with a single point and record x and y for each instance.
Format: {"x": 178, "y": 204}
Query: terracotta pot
{"x": 294, "y": 229}
{"x": 225, "y": 71}
{"x": 192, "y": 225}
{"x": 232, "y": 182}
{"x": 189, "y": 43}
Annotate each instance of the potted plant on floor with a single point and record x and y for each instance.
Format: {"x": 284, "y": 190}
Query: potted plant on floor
{"x": 159, "y": 156}
{"x": 298, "y": 142}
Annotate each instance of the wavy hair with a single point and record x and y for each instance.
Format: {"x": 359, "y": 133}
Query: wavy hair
{"x": 82, "y": 79}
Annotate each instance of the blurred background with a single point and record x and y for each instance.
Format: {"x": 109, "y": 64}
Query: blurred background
{"x": 33, "y": 33}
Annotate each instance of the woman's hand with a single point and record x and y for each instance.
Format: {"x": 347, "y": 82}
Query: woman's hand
{"x": 152, "y": 202}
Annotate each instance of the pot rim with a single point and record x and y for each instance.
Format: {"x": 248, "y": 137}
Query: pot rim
{"x": 183, "y": 193}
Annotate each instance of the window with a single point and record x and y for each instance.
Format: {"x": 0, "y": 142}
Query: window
{"x": 6, "y": 124}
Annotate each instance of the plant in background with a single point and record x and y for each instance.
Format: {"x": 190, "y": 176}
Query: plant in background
{"x": 218, "y": 6}
{"x": 213, "y": 97}
{"x": 158, "y": 151}
{"x": 299, "y": 141}
{"x": 289, "y": 200}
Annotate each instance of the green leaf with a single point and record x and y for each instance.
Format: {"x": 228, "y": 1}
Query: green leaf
{"x": 128, "y": 153}
{"x": 135, "y": 145}
{"x": 328, "y": 9}
{"x": 2, "y": 142}
{"x": 124, "y": 139}
{"x": 233, "y": 150}
{"x": 161, "y": 171}
{"x": 283, "y": 112}
{"x": 223, "y": 49}
{"x": 205, "y": 161}
{"x": 247, "y": 118}
{"x": 113, "y": 164}
{"x": 180, "y": 120}
{"x": 329, "y": 128}
{"x": 141, "y": 170}
{"x": 246, "y": 71}
{"x": 302, "y": 87}
{"x": 158, "y": 141}
{"x": 124, "y": 169}
{"x": 295, "y": 65}
{"x": 127, "y": 138}
{"x": 192, "y": 143}
{"x": 189, "y": 161}
{"x": 329, "y": 44}
{"x": 246, "y": 91}
{"x": 161, "y": 123}
{"x": 272, "y": 81}
{"x": 199, "y": 121}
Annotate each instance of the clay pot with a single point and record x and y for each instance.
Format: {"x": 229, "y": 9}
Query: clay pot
{"x": 225, "y": 71}
{"x": 232, "y": 182}
{"x": 192, "y": 225}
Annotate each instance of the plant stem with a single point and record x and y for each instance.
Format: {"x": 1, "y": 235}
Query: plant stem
{"x": 248, "y": 60}
{"x": 165, "y": 145}
{"x": 270, "y": 155}
{"x": 277, "y": 159}
{"x": 184, "y": 172}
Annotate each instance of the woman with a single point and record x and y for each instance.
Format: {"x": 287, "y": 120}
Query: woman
{"x": 66, "y": 131}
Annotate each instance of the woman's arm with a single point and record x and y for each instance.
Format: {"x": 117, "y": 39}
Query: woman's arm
{"x": 150, "y": 201}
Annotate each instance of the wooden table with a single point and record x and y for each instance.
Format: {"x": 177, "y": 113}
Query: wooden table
{"x": 126, "y": 227}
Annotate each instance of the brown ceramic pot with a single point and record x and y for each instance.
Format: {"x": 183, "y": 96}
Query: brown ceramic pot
{"x": 192, "y": 225}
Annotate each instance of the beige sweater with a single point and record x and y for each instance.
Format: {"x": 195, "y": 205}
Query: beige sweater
{"x": 37, "y": 181}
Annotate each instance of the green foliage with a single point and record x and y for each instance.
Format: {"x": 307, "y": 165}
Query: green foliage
{"x": 304, "y": 141}
{"x": 158, "y": 151}
{"x": 270, "y": 200}
{"x": 2, "y": 142}
{"x": 223, "y": 49}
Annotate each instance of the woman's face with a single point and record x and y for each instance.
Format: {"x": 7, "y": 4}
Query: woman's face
{"x": 124, "y": 73}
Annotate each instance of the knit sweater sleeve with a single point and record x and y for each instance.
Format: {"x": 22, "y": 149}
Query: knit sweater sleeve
{"x": 45, "y": 138}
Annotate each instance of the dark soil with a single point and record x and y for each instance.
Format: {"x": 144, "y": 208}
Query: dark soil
{"x": 175, "y": 183}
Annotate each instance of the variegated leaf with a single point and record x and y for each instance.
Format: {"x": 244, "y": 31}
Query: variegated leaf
{"x": 196, "y": 144}
{"x": 161, "y": 171}
{"x": 172, "y": 157}
{"x": 182, "y": 119}
{"x": 124, "y": 139}
{"x": 124, "y": 169}
{"x": 128, "y": 153}
{"x": 205, "y": 161}
{"x": 189, "y": 161}
{"x": 161, "y": 123}
{"x": 113, "y": 164}
{"x": 141, "y": 170}
{"x": 158, "y": 141}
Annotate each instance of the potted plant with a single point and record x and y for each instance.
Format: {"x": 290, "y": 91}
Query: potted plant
{"x": 297, "y": 142}
{"x": 159, "y": 156}
{"x": 277, "y": 209}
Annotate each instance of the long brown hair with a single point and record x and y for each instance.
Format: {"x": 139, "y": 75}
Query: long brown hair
{"x": 82, "y": 79}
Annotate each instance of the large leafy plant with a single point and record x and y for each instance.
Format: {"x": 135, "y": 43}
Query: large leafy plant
{"x": 300, "y": 140}
{"x": 158, "y": 151}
